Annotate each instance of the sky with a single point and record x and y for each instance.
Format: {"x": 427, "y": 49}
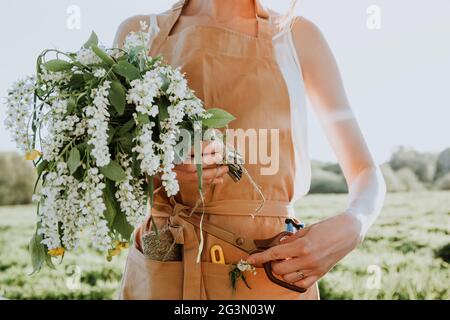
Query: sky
{"x": 394, "y": 56}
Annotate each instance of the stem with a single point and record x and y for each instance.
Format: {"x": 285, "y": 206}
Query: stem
{"x": 61, "y": 154}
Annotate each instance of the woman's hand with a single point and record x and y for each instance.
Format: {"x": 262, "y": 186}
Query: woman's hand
{"x": 212, "y": 162}
{"x": 310, "y": 253}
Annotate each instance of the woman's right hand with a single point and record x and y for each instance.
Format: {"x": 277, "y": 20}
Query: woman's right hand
{"x": 212, "y": 161}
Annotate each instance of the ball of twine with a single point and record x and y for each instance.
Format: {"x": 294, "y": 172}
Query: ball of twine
{"x": 161, "y": 246}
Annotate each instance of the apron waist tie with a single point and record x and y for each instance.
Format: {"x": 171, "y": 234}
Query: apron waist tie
{"x": 186, "y": 234}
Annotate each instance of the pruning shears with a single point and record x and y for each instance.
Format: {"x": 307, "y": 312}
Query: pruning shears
{"x": 250, "y": 246}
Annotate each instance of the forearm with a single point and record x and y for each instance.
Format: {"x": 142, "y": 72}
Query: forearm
{"x": 366, "y": 197}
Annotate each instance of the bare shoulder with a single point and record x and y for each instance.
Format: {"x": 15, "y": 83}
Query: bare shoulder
{"x": 303, "y": 27}
{"x": 307, "y": 36}
{"x": 131, "y": 24}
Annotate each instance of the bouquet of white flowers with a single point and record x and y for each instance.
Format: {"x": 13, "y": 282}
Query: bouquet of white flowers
{"x": 106, "y": 121}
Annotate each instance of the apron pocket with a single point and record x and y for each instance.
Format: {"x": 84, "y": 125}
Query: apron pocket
{"x": 218, "y": 285}
{"x": 217, "y": 281}
{"x": 147, "y": 279}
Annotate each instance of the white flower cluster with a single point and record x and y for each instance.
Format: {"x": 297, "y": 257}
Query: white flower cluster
{"x": 144, "y": 91}
{"x": 168, "y": 177}
{"x": 130, "y": 194}
{"x": 61, "y": 129}
{"x": 182, "y": 97}
{"x": 183, "y": 103}
{"x": 193, "y": 108}
{"x": 93, "y": 208}
{"x": 178, "y": 88}
{"x": 159, "y": 157}
{"x": 53, "y": 78}
{"x": 135, "y": 39}
{"x": 243, "y": 266}
{"x": 19, "y": 106}
{"x": 52, "y": 205}
{"x": 87, "y": 57}
{"x": 138, "y": 39}
{"x": 67, "y": 206}
{"x": 97, "y": 124}
{"x": 99, "y": 72}
{"x": 72, "y": 220}
{"x": 145, "y": 148}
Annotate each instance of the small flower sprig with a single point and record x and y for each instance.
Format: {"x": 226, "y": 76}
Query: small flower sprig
{"x": 238, "y": 273}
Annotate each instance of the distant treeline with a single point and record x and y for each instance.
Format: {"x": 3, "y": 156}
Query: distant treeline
{"x": 407, "y": 170}
{"x": 17, "y": 177}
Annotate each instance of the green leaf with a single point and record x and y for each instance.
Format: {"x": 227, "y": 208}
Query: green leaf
{"x": 122, "y": 226}
{"x": 37, "y": 252}
{"x": 117, "y": 96}
{"x": 108, "y": 197}
{"x": 136, "y": 165}
{"x": 74, "y": 160}
{"x": 127, "y": 70}
{"x": 111, "y": 133}
{"x": 93, "y": 40}
{"x": 122, "y": 57}
{"x": 106, "y": 58}
{"x": 126, "y": 127}
{"x": 89, "y": 79}
{"x": 57, "y": 65}
{"x": 115, "y": 217}
{"x": 155, "y": 60}
{"x": 48, "y": 261}
{"x": 38, "y": 64}
{"x": 166, "y": 82}
{"x": 113, "y": 171}
{"x": 82, "y": 97}
{"x": 126, "y": 142}
{"x": 76, "y": 81}
{"x": 41, "y": 167}
{"x": 143, "y": 118}
{"x": 134, "y": 53}
{"x": 219, "y": 119}
{"x": 163, "y": 111}
{"x": 245, "y": 280}
{"x": 71, "y": 105}
{"x": 198, "y": 158}
{"x": 151, "y": 189}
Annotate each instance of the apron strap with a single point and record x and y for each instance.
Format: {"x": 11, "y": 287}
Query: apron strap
{"x": 167, "y": 26}
{"x": 265, "y": 30}
{"x": 186, "y": 234}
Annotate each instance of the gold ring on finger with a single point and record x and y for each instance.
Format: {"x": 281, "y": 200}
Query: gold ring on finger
{"x": 300, "y": 274}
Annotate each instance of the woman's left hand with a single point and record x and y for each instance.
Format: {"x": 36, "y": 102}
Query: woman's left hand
{"x": 310, "y": 253}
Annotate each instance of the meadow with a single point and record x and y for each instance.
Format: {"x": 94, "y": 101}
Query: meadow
{"x": 404, "y": 256}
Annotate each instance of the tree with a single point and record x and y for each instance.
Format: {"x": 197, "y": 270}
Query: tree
{"x": 443, "y": 164}
{"x": 422, "y": 164}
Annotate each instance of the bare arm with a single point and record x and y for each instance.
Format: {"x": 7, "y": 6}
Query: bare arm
{"x": 313, "y": 251}
{"x": 326, "y": 91}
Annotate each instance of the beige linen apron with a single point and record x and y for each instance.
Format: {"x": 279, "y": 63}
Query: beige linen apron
{"x": 238, "y": 73}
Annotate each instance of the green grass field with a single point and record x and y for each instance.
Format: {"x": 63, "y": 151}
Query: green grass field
{"x": 405, "y": 255}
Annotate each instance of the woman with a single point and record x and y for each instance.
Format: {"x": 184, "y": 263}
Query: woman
{"x": 258, "y": 65}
